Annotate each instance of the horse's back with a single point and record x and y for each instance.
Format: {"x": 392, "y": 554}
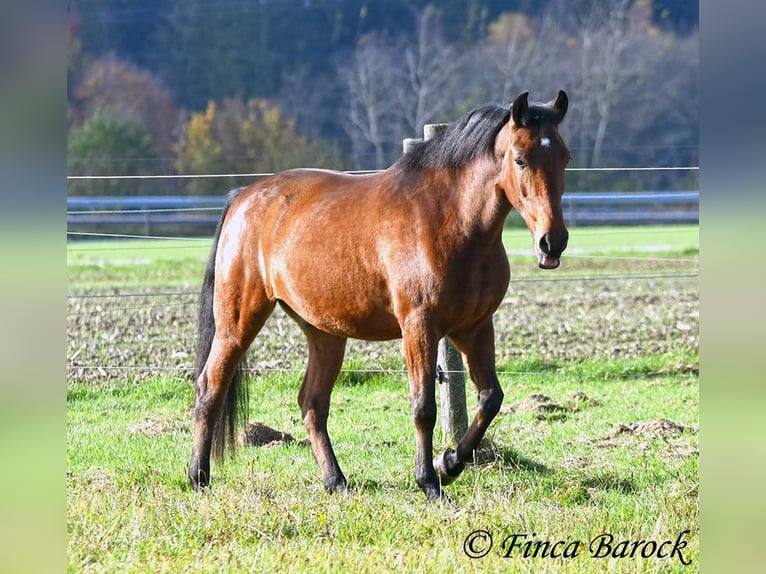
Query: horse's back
{"x": 319, "y": 208}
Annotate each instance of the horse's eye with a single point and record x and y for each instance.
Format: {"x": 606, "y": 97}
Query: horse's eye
{"x": 520, "y": 162}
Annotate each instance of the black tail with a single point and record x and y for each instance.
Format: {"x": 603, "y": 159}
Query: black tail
{"x": 237, "y": 399}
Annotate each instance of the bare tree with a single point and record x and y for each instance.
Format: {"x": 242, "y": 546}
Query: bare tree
{"x": 511, "y": 43}
{"x": 396, "y": 87}
{"x": 614, "y": 62}
{"x": 608, "y": 63}
{"x": 524, "y": 53}
{"x": 372, "y": 109}
{"x": 427, "y": 86}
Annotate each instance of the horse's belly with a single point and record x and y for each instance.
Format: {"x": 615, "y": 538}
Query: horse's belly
{"x": 371, "y": 327}
{"x": 346, "y": 306}
{"x": 356, "y": 324}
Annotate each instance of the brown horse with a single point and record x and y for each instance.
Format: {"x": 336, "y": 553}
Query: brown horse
{"x": 413, "y": 252}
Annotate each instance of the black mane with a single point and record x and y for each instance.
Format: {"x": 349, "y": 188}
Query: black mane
{"x": 466, "y": 139}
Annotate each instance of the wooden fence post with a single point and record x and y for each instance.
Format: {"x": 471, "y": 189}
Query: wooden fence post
{"x": 449, "y": 363}
{"x": 407, "y": 143}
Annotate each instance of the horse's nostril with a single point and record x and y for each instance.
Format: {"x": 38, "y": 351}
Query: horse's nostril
{"x": 553, "y": 244}
{"x": 545, "y": 243}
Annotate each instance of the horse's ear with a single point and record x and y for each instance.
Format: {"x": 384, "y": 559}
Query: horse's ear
{"x": 519, "y": 108}
{"x": 560, "y": 105}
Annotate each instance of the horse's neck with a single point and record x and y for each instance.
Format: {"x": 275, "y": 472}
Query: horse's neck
{"x": 482, "y": 206}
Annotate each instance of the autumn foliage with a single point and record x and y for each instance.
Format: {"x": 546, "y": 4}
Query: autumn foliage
{"x": 242, "y": 138}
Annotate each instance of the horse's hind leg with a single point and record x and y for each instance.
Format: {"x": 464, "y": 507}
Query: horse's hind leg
{"x": 325, "y": 359}
{"x": 236, "y": 326}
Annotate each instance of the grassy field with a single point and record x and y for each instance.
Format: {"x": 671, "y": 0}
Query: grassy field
{"x": 597, "y": 436}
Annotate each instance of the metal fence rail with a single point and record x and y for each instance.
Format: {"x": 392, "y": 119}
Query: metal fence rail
{"x": 631, "y": 208}
{"x": 115, "y": 214}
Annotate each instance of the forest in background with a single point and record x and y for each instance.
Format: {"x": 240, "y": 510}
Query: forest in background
{"x": 233, "y": 86}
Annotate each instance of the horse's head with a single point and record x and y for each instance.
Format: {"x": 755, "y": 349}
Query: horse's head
{"x": 532, "y": 176}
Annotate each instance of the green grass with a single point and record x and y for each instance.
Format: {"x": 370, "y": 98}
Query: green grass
{"x": 656, "y": 240}
{"x": 561, "y": 474}
{"x": 136, "y": 263}
{"x": 139, "y": 263}
{"x": 651, "y": 238}
{"x": 604, "y": 353}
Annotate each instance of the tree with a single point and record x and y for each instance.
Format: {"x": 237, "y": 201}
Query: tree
{"x": 606, "y": 66}
{"x": 626, "y": 62}
{"x": 613, "y": 61}
{"x": 395, "y": 86}
{"x": 427, "y": 88}
{"x": 198, "y": 151}
{"x": 126, "y": 90}
{"x": 365, "y": 75}
{"x": 374, "y": 117}
{"x": 243, "y": 137}
{"x": 511, "y": 42}
{"x": 109, "y": 144}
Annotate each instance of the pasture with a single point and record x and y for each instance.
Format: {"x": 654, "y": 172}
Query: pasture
{"x": 597, "y": 434}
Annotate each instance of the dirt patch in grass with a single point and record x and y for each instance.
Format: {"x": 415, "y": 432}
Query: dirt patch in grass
{"x": 546, "y": 408}
{"x": 659, "y": 427}
{"x": 667, "y": 431}
{"x": 116, "y": 334}
{"x": 258, "y": 434}
{"x": 154, "y": 426}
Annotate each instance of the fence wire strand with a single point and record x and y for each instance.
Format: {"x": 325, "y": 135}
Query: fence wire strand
{"x": 352, "y": 172}
{"x": 300, "y": 370}
{"x": 583, "y": 278}
{"x": 183, "y": 294}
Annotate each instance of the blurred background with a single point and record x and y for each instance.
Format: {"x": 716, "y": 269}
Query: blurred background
{"x": 163, "y": 87}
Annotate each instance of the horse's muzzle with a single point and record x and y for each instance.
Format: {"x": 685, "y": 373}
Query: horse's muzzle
{"x": 550, "y": 247}
{"x": 548, "y": 262}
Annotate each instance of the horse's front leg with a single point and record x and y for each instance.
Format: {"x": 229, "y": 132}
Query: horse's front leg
{"x": 420, "y": 347}
{"x": 478, "y": 348}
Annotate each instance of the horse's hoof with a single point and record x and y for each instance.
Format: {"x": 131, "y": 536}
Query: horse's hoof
{"x": 199, "y": 480}
{"x": 447, "y": 467}
{"x": 337, "y": 485}
{"x": 434, "y": 493}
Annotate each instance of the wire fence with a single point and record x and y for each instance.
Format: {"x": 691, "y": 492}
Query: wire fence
{"x": 692, "y": 373}
{"x": 355, "y": 172}
{"x": 123, "y": 216}
{"x": 109, "y": 304}
{"x": 128, "y": 330}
